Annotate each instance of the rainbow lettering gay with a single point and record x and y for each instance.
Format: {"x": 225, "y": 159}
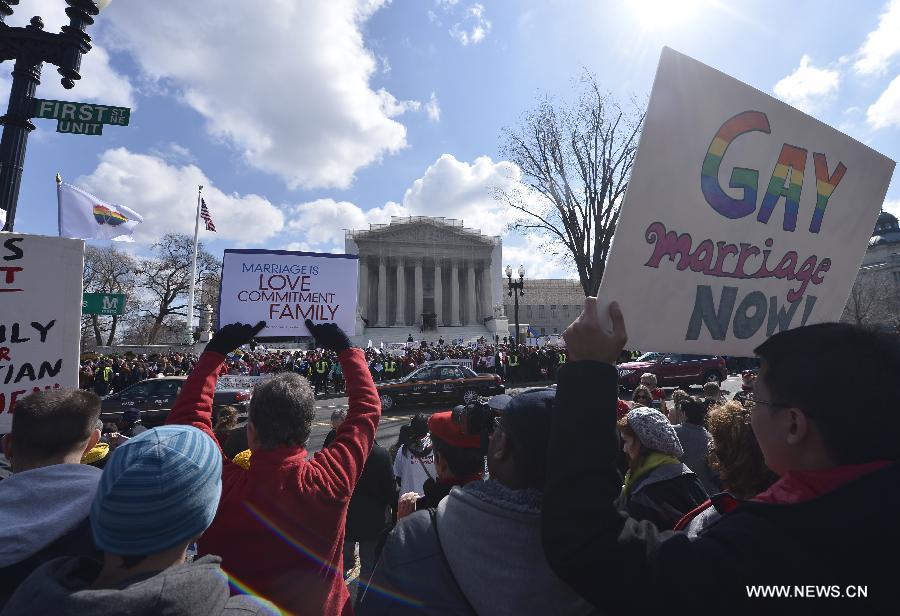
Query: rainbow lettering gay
{"x": 786, "y": 180}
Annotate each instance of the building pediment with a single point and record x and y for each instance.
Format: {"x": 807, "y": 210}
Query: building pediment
{"x": 428, "y": 230}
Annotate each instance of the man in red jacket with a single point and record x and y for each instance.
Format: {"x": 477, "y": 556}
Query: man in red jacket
{"x": 279, "y": 527}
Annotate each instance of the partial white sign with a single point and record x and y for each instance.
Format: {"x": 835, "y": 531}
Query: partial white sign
{"x": 40, "y": 316}
{"x": 284, "y": 288}
{"x": 743, "y": 217}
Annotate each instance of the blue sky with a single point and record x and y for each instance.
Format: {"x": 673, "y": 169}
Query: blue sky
{"x": 303, "y": 118}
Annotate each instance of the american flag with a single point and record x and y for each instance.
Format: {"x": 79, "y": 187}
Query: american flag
{"x": 204, "y": 214}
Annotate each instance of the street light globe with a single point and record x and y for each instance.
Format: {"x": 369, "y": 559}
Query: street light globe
{"x": 508, "y": 271}
{"x": 101, "y": 4}
{"x": 521, "y": 271}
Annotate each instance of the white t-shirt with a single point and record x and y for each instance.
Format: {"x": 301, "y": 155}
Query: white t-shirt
{"x": 411, "y": 471}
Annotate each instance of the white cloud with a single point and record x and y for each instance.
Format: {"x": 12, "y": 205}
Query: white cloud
{"x": 433, "y": 108}
{"x": 287, "y": 85}
{"x": 321, "y": 223}
{"x": 886, "y": 110}
{"x": 457, "y": 189}
{"x": 531, "y": 254}
{"x": 808, "y": 87}
{"x": 473, "y": 27}
{"x": 892, "y": 206}
{"x": 99, "y": 81}
{"x": 166, "y": 196}
{"x": 882, "y": 44}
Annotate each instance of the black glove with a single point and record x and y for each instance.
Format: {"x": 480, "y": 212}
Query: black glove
{"x": 233, "y": 336}
{"x": 328, "y": 336}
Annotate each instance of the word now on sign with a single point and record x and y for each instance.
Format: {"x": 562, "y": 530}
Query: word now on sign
{"x": 81, "y": 112}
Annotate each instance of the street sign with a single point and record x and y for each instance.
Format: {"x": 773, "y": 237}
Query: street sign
{"x": 103, "y": 303}
{"x": 81, "y": 112}
{"x": 79, "y": 128}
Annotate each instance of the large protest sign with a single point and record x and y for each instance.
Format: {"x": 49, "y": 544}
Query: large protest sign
{"x": 284, "y": 288}
{"x": 40, "y": 313}
{"x": 743, "y": 217}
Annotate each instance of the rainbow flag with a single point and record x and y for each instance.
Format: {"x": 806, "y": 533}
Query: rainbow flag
{"x": 84, "y": 216}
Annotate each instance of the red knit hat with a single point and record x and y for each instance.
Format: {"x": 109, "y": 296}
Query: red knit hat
{"x": 442, "y": 426}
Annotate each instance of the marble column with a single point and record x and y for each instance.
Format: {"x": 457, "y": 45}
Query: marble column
{"x": 382, "y": 293}
{"x": 418, "y": 293}
{"x": 438, "y": 293}
{"x": 487, "y": 299}
{"x": 401, "y": 293}
{"x": 454, "y": 293}
{"x": 363, "y": 300}
{"x": 471, "y": 313}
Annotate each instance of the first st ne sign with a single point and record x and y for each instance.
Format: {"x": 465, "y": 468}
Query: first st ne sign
{"x": 81, "y": 112}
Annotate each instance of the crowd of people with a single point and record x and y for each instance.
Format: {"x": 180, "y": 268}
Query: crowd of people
{"x": 567, "y": 500}
{"x": 110, "y": 374}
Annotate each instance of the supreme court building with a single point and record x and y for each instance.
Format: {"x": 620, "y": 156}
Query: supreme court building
{"x": 428, "y": 275}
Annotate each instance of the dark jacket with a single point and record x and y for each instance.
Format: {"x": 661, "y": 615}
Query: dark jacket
{"x": 489, "y": 549}
{"x": 62, "y": 588}
{"x": 695, "y": 441}
{"x": 664, "y": 495}
{"x": 613, "y": 560}
{"x": 370, "y": 505}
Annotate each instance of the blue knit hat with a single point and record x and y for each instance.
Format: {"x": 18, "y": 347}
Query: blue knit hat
{"x": 159, "y": 489}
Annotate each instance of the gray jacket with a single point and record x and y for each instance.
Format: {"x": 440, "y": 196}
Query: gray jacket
{"x": 491, "y": 537}
{"x": 695, "y": 441}
{"x": 62, "y": 587}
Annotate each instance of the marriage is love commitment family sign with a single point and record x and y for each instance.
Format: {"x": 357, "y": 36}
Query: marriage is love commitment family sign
{"x": 284, "y": 288}
{"x": 743, "y": 216}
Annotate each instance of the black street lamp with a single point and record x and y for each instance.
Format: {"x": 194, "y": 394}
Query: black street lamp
{"x": 30, "y": 47}
{"x": 516, "y": 288}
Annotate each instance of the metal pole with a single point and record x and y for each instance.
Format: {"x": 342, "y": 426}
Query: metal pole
{"x": 189, "y": 335}
{"x": 516, "y": 311}
{"x": 16, "y": 127}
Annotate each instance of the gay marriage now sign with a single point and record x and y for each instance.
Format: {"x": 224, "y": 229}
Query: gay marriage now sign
{"x": 743, "y": 216}
{"x": 284, "y": 288}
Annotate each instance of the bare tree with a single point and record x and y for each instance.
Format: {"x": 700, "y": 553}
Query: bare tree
{"x": 165, "y": 279}
{"x": 107, "y": 270}
{"x": 576, "y": 161}
{"x": 874, "y": 301}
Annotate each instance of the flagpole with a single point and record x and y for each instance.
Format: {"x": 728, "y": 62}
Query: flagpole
{"x": 189, "y": 335}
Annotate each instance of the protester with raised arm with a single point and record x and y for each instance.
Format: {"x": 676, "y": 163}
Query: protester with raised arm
{"x": 280, "y": 524}
{"x": 835, "y": 449}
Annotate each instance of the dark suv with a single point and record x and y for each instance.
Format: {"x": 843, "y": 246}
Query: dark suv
{"x": 673, "y": 369}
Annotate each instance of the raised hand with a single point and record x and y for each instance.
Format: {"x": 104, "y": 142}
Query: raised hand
{"x": 328, "y": 336}
{"x": 588, "y": 338}
{"x": 233, "y": 336}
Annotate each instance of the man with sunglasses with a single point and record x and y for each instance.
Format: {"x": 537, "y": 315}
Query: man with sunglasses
{"x": 807, "y": 544}
{"x": 479, "y": 551}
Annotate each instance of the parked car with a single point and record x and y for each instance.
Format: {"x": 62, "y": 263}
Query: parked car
{"x": 439, "y": 383}
{"x": 673, "y": 369}
{"x": 156, "y": 397}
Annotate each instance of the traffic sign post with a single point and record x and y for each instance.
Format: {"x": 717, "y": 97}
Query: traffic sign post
{"x": 103, "y": 303}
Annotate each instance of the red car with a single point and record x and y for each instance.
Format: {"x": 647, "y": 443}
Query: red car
{"x": 673, "y": 369}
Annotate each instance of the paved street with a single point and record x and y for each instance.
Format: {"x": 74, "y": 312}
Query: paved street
{"x": 390, "y": 424}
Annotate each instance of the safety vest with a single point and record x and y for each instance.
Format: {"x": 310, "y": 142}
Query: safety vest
{"x": 513, "y": 360}
{"x": 107, "y": 374}
{"x": 321, "y": 367}
{"x": 390, "y": 366}
{"x": 562, "y": 358}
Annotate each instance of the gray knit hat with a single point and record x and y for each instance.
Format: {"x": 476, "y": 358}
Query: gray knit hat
{"x": 654, "y": 431}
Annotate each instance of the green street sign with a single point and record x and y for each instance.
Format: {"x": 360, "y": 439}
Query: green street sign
{"x": 79, "y": 128}
{"x": 103, "y": 303}
{"x": 81, "y": 112}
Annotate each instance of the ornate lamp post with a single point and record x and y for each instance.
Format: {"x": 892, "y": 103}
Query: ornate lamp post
{"x": 516, "y": 289}
{"x": 30, "y": 47}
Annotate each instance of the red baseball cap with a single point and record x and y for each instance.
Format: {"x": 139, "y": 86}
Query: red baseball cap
{"x": 442, "y": 426}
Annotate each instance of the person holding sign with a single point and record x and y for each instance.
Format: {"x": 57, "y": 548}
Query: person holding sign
{"x": 279, "y": 527}
{"x": 835, "y": 450}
